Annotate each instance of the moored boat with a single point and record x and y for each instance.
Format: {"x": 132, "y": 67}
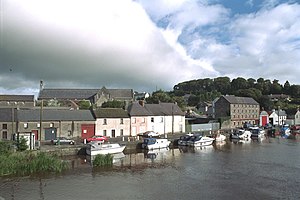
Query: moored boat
{"x": 257, "y": 133}
{"x": 155, "y": 143}
{"x": 220, "y": 137}
{"x": 97, "y": 147}
{"x": 182, "y": 141}
{"x": 199, "y": 140}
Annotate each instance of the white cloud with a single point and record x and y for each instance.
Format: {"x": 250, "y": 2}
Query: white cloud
{"x": 91, "y": 43}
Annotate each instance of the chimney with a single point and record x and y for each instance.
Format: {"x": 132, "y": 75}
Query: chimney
{"x": 142, "y": 103}
{"x": 41, "y": 85}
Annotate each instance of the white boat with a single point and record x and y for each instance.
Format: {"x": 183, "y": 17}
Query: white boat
{"x": 97, "y": 147}
{"x": 240, "y": 134}
{"x": 245, "y": 135}
{"x": 155, "y": 143}
{"x": 199, "y": 140}
{"x": 220, "y": 138}
{"x": 257, "y": 133}
{"x": 182, "y": 141}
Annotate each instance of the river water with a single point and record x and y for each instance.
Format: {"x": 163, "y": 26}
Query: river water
{"x": 268, "y": 169}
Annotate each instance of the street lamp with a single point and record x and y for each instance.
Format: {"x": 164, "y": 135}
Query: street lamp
{"x": 278, "y": 116}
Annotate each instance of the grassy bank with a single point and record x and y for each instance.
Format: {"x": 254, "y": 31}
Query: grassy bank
{"x": 27, "y": 162}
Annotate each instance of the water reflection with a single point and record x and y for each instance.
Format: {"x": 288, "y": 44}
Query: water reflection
{"x": 175, "y": 173}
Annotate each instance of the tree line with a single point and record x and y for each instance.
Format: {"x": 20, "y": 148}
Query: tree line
{"x": 207, "y": 89}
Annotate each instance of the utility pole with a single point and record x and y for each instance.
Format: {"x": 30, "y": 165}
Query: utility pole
{"x": 41, "y": 121}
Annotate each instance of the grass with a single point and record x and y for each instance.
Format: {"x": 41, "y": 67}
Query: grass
{"x": 26, "y": 163}
{"x": 103, "y": 160}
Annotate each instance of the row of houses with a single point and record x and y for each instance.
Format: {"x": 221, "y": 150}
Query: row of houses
{"x": 232, "y": 111}
{"x": 48, "y": 123}
{"x": 19, "y": 114}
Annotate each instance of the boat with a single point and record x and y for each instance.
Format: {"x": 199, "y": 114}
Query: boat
{"x": 182, "y": 141}
{"x": 257, "y": 133}
{"x": 240, "y": 134}
{"x": 155, "y": 143}
{"x": 199, "y": 140}
{"x": 98, "y": 147}
{"x": 236, "y": 134}
{"x": 220, "y": 137}
{"x": 285, "y": 131}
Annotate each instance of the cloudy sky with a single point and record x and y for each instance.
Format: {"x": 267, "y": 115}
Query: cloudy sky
{"x": 145, "y": 44}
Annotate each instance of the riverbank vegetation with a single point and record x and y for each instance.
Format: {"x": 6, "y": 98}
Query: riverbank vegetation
{"x": 28, "y": 162}
{"x": 103, "y": 160}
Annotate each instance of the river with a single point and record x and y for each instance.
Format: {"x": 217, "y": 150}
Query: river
{"x": 269, "y": 169}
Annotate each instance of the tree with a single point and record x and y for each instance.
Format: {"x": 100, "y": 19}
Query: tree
{"x": 239, "y": 83}
{"x": 84, "y": 104}
{"x": 193, "y": 100}
{"x": 251, "y": 82}
{"x": 276, "y": 88}
{"x": 113, "y": 104}
{"x": 286, "y": 88}
{"x": 222, "y": 85}
{"x": 159, "y": 96}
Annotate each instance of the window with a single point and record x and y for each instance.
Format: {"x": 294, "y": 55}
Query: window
{"x": 4, "y": 135}
{"x": 4, "y": 126}
{"x": 51, "y": 125}
{"x": 38, "y": 125}
{"x": 161, "y": 119}
{"x": 152, "y": 119}
{"x": 104, "y": 121}
{"x": 121, "y": 121}
{"x": 104, "y": 133}
{"x": 25, "y": 125}
{"x": 121, "y": 132}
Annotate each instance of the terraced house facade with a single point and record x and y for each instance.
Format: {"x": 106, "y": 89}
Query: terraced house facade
{"x": 237, "y": 110}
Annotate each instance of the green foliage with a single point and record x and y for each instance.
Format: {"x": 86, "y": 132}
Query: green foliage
{"x": 159, "y": 96}
{"x": 84, "y": 104}
{"x": 203, "y": 90}
{"x": 29, "y": 163}
{"x": 22, "y": 144}
{"x": 113, "y": 104}
{"x": 103, "y": 160}
{"x": 6, "y": 147}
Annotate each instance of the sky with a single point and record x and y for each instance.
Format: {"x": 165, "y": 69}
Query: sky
{"x": 145, "y": 45}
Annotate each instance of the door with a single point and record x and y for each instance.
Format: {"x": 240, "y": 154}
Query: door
{"x": 50, "y": 133}
{"x": 36, "y": 134}
{"x": 87, "y": 130}
{"x": 263, "y": 120}
{"x": 113, "y": 133}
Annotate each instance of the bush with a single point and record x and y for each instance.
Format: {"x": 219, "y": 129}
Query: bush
{"x": 6, "y": 147}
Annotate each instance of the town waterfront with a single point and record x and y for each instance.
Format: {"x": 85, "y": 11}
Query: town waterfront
{"x": 267, "y": 169}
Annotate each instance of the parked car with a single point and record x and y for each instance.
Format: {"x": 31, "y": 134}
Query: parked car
{"x": 97, "y": 138}
{"x": 62, "y": 140}
{"x": 149, "y": 134}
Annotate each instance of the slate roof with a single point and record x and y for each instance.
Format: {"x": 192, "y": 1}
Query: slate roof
{"x": 172, "y": 109}
{"x": 240, "y": 100}
{"x": 135, "y": 109}
{"x": 264, "y": 113}
{"x": 55, "y": 115}
{"x": 161, "y": 109}
{"x": 121, "y": 93}
{"x": 81, "y": 94}
{"x": 6, "y": 114}
{"x": 111, "y": 113}
{"x": 78, "y": 94}
{"x": 17, "y": 98}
